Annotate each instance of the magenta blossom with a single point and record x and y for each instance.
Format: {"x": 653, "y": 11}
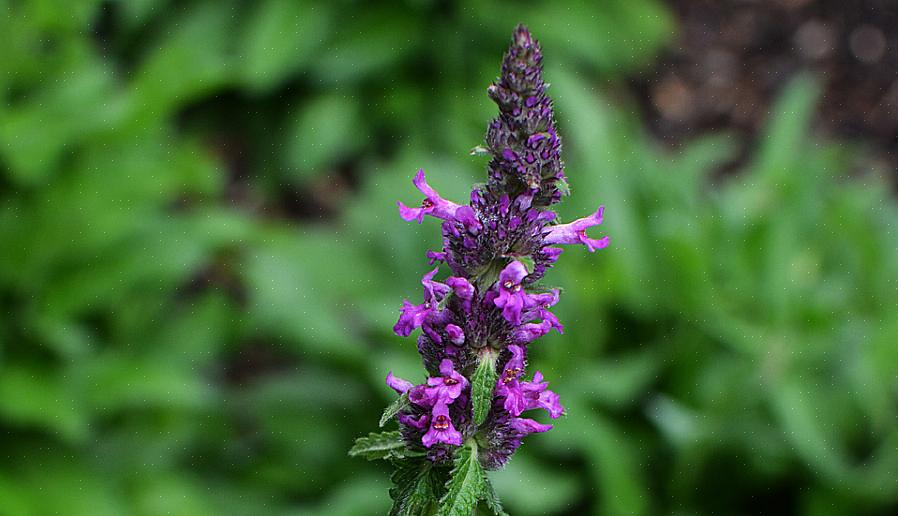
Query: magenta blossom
{"x": 575, "y": 232}
{"x": 529, "y": 426}
{"x": 419, "y": 422}
{"x": 463, "y": 289}
{"x": 545, "y": 398}
{"x": 448, "y": 387}
{"x": 411, "y": 317}
{"x": 414, "y": 316}
{"x": 529, "y": 332}
{"x": 419, "y": 395}
{"x": 456, "y": 334}
{"x": 520, "y": 395}
{"x": 432, "y": 205}
{"x": 435, "y": 206}
{"x": 507, "y": 385}
{"x": 441, "y": 429}
{"x": 512, "y": 298}
{"x": 398, "y": 384}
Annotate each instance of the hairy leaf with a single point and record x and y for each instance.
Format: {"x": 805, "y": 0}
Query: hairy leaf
{"x": 482, "y": 385}
{"x": 385, "y": 445}
{"x": 394, "y": 409}
{"x": 491, "y": 499}
{"x": 417, "y": 486}
{"x": 465, "y": 485}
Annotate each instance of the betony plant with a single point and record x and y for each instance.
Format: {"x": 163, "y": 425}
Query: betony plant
{"x": 469, "y": 415}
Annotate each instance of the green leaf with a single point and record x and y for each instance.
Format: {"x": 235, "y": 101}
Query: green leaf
{"x": 466, "y": 483}
{"x": 385, "y": 445}
{"x": 482, "y": 387}
{"x": 491, "y": 499}
{"x": 416, "y": 488}
{"x": 394, "y": 409}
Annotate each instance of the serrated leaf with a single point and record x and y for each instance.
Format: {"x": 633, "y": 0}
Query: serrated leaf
{"x": 482, "y": 385}
{"x": 385, "y": 445}
{"x": 394, "y": 409}
{"x": 416, "y": 488}
{"x": 465, "y": 485}
{"x": 491, "y": 499}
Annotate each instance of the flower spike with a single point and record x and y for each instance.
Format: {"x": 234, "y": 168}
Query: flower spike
{"x": 478, "y": 320}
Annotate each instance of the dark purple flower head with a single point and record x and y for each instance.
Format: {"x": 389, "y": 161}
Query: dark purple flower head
{"x": 490, "y": 306}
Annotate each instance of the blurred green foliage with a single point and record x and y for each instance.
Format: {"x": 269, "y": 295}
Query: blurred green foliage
{"x": 201, "y": 263}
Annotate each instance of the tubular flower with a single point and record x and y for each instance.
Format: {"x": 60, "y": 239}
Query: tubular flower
{"x": 477, "y": 323}
{"x": 575, "y": 232}
{"x": 432, "y": 205}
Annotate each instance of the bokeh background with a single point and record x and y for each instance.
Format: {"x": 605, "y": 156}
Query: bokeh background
{"x": 201, "y": 259}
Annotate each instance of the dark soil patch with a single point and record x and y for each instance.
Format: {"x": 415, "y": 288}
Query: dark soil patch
{"x": 731, "y": 58}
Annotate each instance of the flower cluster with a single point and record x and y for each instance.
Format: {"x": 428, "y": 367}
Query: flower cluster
{"x": 481, "y": 318}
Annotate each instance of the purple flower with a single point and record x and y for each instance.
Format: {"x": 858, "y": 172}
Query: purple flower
{"x": 432, "y": 205}
{"x": 410, "y": 317}
{"x": 521, "y": 396}
{"x": 528, "y": 426}
{"x": 398, "y": 384}
{"x": 456, "y": 334}
{"x": 441, "y": 429}
{"x": 529, "y": 332}
{"x": 414, "y": 316}
{"x": 470, "y": 315}
{"x": 575, "y": 232}
{"x": 434, "y": 257}
{"x": 448, "y": 387}
{"x": 434, "y": 291}
{"x": 463, "y": 289}
{"x": 551, "y": 253}
{"x": 507, "y": 385}
{"x": 546, "y": 399}
{"x": 546, "y": 299}
{"x": 466, "y": 216}
{"x": 419, "y": 422}
{"x": 421, "y": 396}
{"x": 549, "y": 317}
{"x": 539, "y": 309}
{"x": 512, "y": 297}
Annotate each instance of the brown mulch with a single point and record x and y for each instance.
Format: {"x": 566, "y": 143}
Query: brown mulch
{"x": 732, "y": 57}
